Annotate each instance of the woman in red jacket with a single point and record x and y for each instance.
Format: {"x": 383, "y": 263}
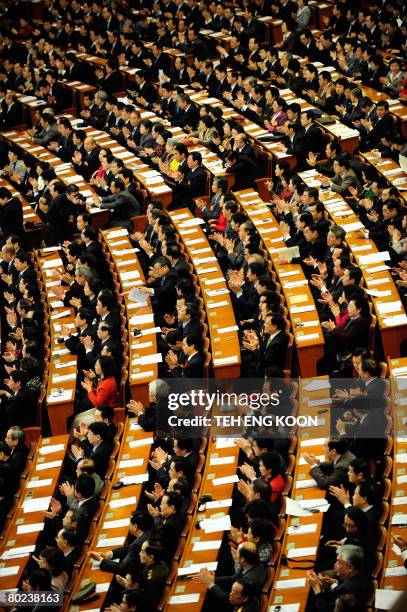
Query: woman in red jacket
{"x": 104, "y": 393}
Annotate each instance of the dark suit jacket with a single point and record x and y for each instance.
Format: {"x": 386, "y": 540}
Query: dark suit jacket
{"x": 355, "y": 333}
{"x": 20, "y": 409}
{"x": 11, "y": 217}
{"x": 168, "y": 532}
{"x": 125, "y": 558}
{"x": 192, "y": 369}
{"x": 100, "y": 455}
{"x": 164, "y": 292}
{"x": 271, "y": 354}
{"x": 359, "y": 585}
{"x": 18, "y": 458}
{"x": 195, "y": 185}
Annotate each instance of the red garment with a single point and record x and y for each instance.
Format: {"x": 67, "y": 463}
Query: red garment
{"x": 342, "y": 318}
{"x": 221, "y": 223}
{"x": 105, "y": 393}
{"x": 277, "y": 485}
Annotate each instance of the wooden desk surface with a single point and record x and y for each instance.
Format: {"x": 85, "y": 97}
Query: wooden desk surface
{"x": 310, "y": 440}
{"x": 217, "y": 449}
{"x": 63, "y": 365}
{"x": 135, "y": 451}
{"x": 394, "y": 575}
{"x": 40, "y": 485}
{"x": 304, "y": 318}
{"x": 390, "y": 170}
{"x": 139, "y": 316}
{"x": 221, "y": 318}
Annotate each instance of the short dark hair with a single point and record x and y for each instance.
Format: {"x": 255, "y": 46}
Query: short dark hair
{"x": 40, "y": 580}
{"x": 99, "y": 429}
{"x": 174, "y": 500}
{"x": 85, "y": 486}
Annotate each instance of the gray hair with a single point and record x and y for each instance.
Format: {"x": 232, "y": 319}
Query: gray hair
{"x": 158, "y": 388}
{"x": 338, "y": 232}
{"x": 102, "y": 95}
{"x": 352, "y": 555}
{"x": 16, "y": 433}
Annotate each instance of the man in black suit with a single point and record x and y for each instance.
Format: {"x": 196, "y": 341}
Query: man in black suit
{"x": 162, "y": 289}
{"x": 373, "y": 132}
{"x": 11, "y": 214}
{"x": 86, "y": 162}
{"x": 8, "y": 481}
{"x": 271, "y": 351}
{"x": 63, "y": 144}
{"x": 18, "y": 407}
{"x": 293, "y": 143}
{"x": 19, "y": 451}
{"x": 312, "y": 135}
{"x": 351, "y": 579}
{"x": 98, "y": 445}
{"x": 145, "y": 93}
{"x": 169, "y": 522}
{"x": 188, "y": 115}
{"x": 84, "y": 328}
{"x": 105, "y": 310}
{"x": 244, "y": 169}
{"x": 365, "y": 434}
{"x": 67, "y": 542}
{"x": 195, "y": 182}
{"x": 12, "y": 112}
{"x": 250, "y": 569}
{"x": 190, "y": 364}
{"x": 125, "y": 559}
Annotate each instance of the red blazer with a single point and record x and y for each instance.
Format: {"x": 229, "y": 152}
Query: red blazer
{"x": 105, "y": 393}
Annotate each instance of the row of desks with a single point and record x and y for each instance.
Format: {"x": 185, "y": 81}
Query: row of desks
{"x": 223, "y": 330}
{"x": 306, "y": 327}
{"x": 143, "y": 350}
{"x": 113, "y": 526}
{"x": 389, "y": 310}
{"x": 394, "y": 576}
{"x": 63, "y": 365}
{"x": 22, "y": 533}
{"x": 302, "y": 535}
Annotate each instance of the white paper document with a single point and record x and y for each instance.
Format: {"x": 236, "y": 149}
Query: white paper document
{"x": 125, "y": 463}
{"x": 221, "y": 460}
{"x": 317, "y": 385}
{"x": 36, "y": 505}
{"x": 118, "y": 523}
{"x": 184, "y": 599}
{"x": 225, "y": 480}
{"x": 110, "y": 542}
{"x": 36, "y": 484}
{"x": 295, "y": 553}
{"x": 47, "y": 466}
{"x": 386, "y": 598}
{"x": 136, "y": 479}
{"x": 207, "y": 545}
{"x": 142, "y": 442}
{"x": 293, "y": 583}
{"x": 301, "y": 529}
{"x": 309, "y": 483}
{"x": 125, "y": 501}
{"x": 9, "y": 571}
{"x": 20, "y": 551}
{"x": 218, "y": 524}
{"x": 195, "y": 568}
{"x": 54, "y": 448}
{"x": 30, "y": 528}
